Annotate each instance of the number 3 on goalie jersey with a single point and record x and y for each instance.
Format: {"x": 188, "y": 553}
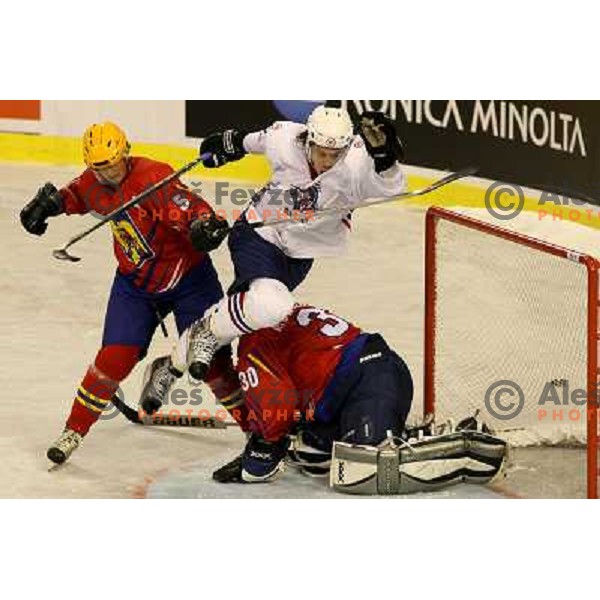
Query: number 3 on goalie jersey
{"x": 248, "y": 378}
{"x": 332, "y": 326}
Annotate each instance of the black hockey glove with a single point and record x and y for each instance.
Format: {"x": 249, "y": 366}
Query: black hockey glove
{"x": 224, "y": 147}
{"x": 381, "y": 140}
{"x": 207, "y": 234}
{"x": 47, "y": 203}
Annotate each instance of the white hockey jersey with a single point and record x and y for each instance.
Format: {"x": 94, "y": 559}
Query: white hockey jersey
{"x": 351, "y": 181}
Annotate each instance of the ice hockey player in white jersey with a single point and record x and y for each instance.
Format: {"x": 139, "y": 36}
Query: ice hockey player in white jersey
{"x": 322, "y": 164}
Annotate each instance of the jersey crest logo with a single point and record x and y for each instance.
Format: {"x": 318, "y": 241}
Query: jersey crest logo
{"x": 131, "y": 241}
{"x": 304, "y": 199}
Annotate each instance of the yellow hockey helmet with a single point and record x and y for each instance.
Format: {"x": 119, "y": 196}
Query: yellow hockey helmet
{"x": 104, "y": 145}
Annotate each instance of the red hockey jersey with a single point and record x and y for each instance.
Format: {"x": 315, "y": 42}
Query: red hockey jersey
{"x": 151, "y": 241}
{"x": 284, "y": 371}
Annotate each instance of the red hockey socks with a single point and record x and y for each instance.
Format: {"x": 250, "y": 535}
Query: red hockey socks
{"x": 112, "y": 365}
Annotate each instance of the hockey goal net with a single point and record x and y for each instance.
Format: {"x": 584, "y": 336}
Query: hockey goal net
{"x": 511, "y": 331}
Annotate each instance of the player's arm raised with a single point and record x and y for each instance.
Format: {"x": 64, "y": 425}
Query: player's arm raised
{"x": 381, "y": 140}
{"x": 46, "y": 203}
{"x": 224, "y": 147}
{"x": 385, "y": 177}
{"x": 49, "y": 201}
{"x": 231, "y": 145}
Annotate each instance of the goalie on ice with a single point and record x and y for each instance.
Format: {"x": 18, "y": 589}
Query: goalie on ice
{"x": 348, "y": 384}
{"x": 317, "y": 388}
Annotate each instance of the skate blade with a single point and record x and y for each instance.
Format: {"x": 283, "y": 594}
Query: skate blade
{"x": 56, "y": 466}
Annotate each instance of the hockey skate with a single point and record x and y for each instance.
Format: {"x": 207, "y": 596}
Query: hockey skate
{"x": 159, "y": 377}
{"x": 261, "y": 462}
{"x": 64, "y": 446}
{"x": 202, "y": 347}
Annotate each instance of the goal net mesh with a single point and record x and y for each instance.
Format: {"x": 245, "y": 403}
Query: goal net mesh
{"x": 508, "y": 332}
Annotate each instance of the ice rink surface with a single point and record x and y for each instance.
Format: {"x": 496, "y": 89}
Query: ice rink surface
{"x": 51, "y": 324}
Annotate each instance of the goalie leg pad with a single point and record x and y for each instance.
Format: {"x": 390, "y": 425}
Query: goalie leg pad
{"x": 427, "y": 465}
{"x": 310, "y": 453}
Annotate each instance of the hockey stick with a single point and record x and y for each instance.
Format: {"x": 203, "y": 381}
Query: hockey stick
{"x": 62, "y": 254}
{"x": 436, "y": 185}
{"x": 173, "y": 420}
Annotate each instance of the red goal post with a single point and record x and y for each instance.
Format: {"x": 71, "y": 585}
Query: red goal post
{"x": 520, "y": 284}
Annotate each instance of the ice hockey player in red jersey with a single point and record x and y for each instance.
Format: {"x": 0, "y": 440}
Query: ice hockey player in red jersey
{"x": 159, "y": 270}
{"x": 321, "y": 377}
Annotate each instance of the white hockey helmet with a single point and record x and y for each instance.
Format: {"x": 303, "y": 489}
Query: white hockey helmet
{"x": 330, "y": 127}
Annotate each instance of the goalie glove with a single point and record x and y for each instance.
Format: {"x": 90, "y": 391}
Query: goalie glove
{"x": 380, "y": 138}
{"x": 224, "y": 147}
{"x": 47, "y": 203}
{"x": 206, "y": 235}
